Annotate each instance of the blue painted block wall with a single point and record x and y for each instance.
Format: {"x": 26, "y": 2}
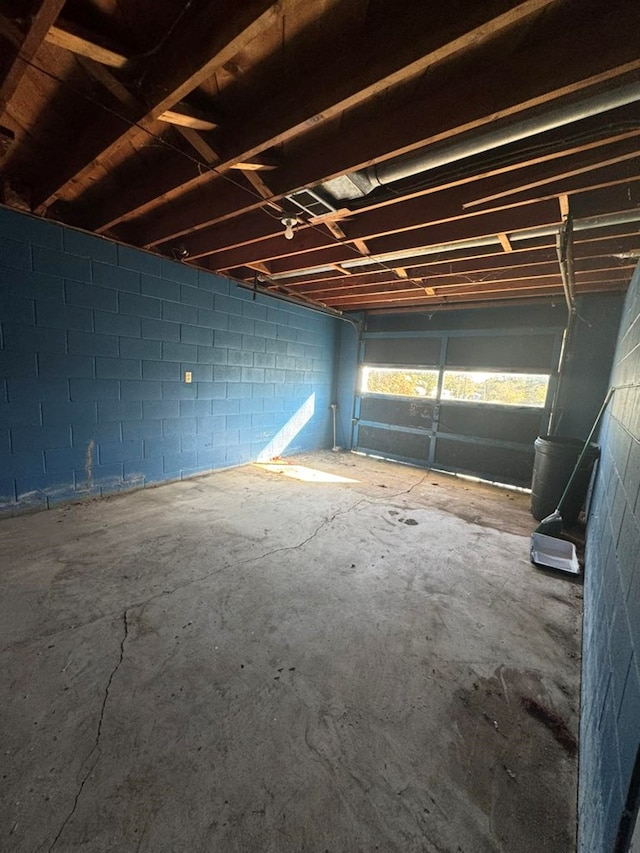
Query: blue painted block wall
{"x": 610, "y": 719}
{"x": 95, "y": 338}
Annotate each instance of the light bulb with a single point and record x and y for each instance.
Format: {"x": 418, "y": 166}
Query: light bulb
{"x": 288, "y": 227}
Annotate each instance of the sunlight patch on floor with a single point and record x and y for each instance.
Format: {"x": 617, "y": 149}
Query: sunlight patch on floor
{"x": 301, "y": 472}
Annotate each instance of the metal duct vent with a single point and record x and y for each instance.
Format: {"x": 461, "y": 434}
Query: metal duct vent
{"x": 310, "y": 202}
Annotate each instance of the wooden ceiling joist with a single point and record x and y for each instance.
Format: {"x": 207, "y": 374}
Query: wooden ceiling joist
{"x": 43, "y": 19}
{"x": 200, "y": 45}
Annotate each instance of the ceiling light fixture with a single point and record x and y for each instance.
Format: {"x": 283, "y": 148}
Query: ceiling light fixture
{"x": 289, "y": 222}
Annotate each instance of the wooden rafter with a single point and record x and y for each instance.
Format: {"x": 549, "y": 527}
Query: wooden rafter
{"x": 43, "y": 19}
{"x": 199, "y": 46}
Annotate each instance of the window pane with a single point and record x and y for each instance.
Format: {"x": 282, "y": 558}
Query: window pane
{"x": 405, "y": 383}
{"x": 510, "y": 389}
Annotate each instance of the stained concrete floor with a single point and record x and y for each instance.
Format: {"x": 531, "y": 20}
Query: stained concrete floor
{"x": 249, "y": 662}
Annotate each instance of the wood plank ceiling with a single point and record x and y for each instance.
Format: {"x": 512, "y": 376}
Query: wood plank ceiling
{"x": 424, "y": 153}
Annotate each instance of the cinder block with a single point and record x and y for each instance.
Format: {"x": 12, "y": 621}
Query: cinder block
{"x": 84, "y": 434}
{"x": 179, "y": 390}
{"x": 23, "y": 463}
{"x": 239, "y": 422}
{"x": 264, "y": 359}
{"x": 116, "y": 278}
{"x": 15, "y": 255}
{"x": 159, "y": 409}
{"x": 239, "y": 358}
{"x": 286, "y": 333}
{"x": 64, "y": 459}
{"x": 196, "y": 335}
{"x": 226, "y": 373}
{"x": 161, "y": 446}
{"x": 179, "y": 313}
{"x": 19, "y": 338}
{"x": 78, "y": 293}
{"x": 116, "y": 324}
{"x": 65, "y": 366}
{"x": 194, "y": 408}
{"x": 120, "y": 410}
{"x": 37, "y": 389}
{"x": 139, "y": 260}
{"x": 199, "y": 372}
{"x": 140, "y": 306}
{"x": 212, "y": 390}
{"x": 215, "y": 423}
{"x": 213, "y": 319}
{"x": 140, "y": 349}
{"x": 254, "y": 344}
{"x": 135, "y": 430}
{"x": 628, "y": 716}
{"x": 62, "y": 413}
{"x": 160, "y": 288}
{"x": 26, "y": 439}
{"x": 30, "y": 229}
{"x": 239, "y": 390}
{"x": 241, "y": 324}
{"x": 172, "y": 351}
{"x": 15, "y": 309}
{"x": 88, "y": 246}
{"x": 254, "y": 310}
{"x": 151, "y": 470}
{"x": 142, "y": 389}
{"x": 118, "y": 368}
{"x": 21, "y": 413}
{"x": 180, "y": 461}
{"x": 253, "y": 374}
{"x": 196, "y": 296}
{"x": 31, "y": 285}
{"x": 7, "y": 492}
{"x": 265, "y": 330}
{"x": 18, "y": 365}
{"x": 252, "y": 405}
{"x": 61, "y": 264}
{"x": 213, "y": 282}
{"x": 94, "y": 389}
{"x": 277, "y": 347}
{"x": 228, "y": 340}
{"x": 225, "y": 407}
{"x": 123, "y": 451}
{"x": 277, "y": 315}
{"x": 92, "y": 343}
{"x": 274, "y": 375}
{"x": 227, "y": 304}
{"x": 178, "y": 426}
{"x": 108, "y": 477}
{"x": 160, "y": 330}
{"x": 211, "y": 458}
{"x": 238, "y": 455}
{"x": 161, "y": 370}
{"x": 175, "y": 271}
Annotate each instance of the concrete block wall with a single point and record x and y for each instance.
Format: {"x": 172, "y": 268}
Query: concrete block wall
{"x": 610, "y": 719}
{"x": 95, "y": 340}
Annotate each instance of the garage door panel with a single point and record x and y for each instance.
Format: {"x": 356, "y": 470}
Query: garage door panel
{"x": 490, "y": 462}
{"x": 529, "y": 352}
{"x": 417, "y": 414}
{"x": 501, "y": 424}
{"x": 403, "y": 445}
{"x": 415, "y": 351}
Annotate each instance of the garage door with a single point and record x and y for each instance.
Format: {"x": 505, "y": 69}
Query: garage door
{"x": 468, "y": 401}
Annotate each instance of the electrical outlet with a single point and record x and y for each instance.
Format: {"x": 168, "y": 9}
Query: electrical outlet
{"x": 187, "y": 376}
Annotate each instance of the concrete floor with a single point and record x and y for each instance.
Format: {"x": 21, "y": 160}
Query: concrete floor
{"x": 250, "y": 662}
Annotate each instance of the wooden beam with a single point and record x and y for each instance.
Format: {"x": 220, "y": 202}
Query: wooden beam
{"x": 257, "y": 182}
{"x": 185, "y": 115}
{"x": 69, "y": 37}
{"x": 361, "y": 246}
{"x": 200, "y": 44}
{"x": 563, "y": 201}
{"x": 43, "y": 19}
{"x": 505, "y": 242}
{"x": 335, "y": 229}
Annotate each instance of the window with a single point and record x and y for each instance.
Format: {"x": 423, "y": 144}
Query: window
{"x": 400, "y": 382}
{"x": 509, "y": 389}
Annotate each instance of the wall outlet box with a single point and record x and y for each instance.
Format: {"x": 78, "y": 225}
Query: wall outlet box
{"x": 187, "y": 376}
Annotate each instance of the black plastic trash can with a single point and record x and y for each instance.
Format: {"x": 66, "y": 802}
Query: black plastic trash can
{"x": 555, "y": 460}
